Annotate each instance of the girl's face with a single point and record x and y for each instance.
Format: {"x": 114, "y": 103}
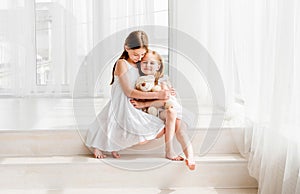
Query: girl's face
{"x": 149, "y": 64}
{"x": 135, "y": 55}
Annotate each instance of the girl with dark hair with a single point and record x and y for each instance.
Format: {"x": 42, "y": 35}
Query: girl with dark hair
{"x": 119, "y": 125}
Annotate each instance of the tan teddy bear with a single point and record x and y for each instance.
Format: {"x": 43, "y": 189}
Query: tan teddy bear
{"x": 148, "y": 83}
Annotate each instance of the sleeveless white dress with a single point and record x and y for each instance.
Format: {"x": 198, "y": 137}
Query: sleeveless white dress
{"x": 120, "y": 125}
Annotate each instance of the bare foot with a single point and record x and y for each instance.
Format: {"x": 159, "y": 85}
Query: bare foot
{"x": 190, "y": 164}
{"x": 137, "y": 104}
{"x": 99, "y": 154}
{"x": 174, "y": 157}
{"x": 115, "y": 154}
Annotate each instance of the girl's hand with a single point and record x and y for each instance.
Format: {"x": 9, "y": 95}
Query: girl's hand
{"x": 164, "y": 94}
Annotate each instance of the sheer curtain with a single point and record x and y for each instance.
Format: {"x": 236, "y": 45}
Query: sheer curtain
{"x": 17, "y": 46}
{"x": 256, "y": 46}
{"x": 274, "y": 156}
{"x": 64, "y": 32}
{"x": 79, "y": 25}
{"x": 266, "y": 43}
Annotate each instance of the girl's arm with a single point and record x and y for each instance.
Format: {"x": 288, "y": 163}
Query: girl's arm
{"x": 122, "y": 72}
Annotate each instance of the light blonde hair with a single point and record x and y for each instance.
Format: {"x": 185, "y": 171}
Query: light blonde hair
{"x": 160, "y": 72}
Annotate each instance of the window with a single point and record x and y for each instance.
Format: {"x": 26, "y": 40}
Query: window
{"x": 5, "y": 68}
{"x": 43, "y": 45}
{"x": 43, "y": 41}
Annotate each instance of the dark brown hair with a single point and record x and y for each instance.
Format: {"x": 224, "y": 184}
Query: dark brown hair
{"x": 135, "y": 40}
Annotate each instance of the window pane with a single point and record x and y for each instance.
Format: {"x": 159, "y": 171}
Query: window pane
{"x": 67, "y": 30}
{"x": 5, "y": 68}
{"x": 43, "y": 41}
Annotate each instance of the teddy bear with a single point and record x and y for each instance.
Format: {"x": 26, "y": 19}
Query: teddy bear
{"x": 148, "y": 83}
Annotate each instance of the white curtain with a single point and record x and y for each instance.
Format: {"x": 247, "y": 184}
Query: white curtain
{"x": 256, "y": 46}
{"x": 17, "y": 46}
{"x": 64, "y": 32}
{"x": 266, "y": 46}
{"x": 275, "y": 153}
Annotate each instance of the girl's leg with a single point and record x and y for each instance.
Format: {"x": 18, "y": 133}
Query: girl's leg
{"x": 98, "y": 153}
{"x": 169, "y": 134}
{"x": 185, "y": 143}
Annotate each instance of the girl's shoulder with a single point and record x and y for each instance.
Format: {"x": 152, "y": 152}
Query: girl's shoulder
{"x": 121, "y": 67}
{"x": 122, "y": 62}
{"x": 164, "y": 78}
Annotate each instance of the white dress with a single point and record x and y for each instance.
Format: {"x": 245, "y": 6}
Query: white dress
{"x": 119, "y": 125}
